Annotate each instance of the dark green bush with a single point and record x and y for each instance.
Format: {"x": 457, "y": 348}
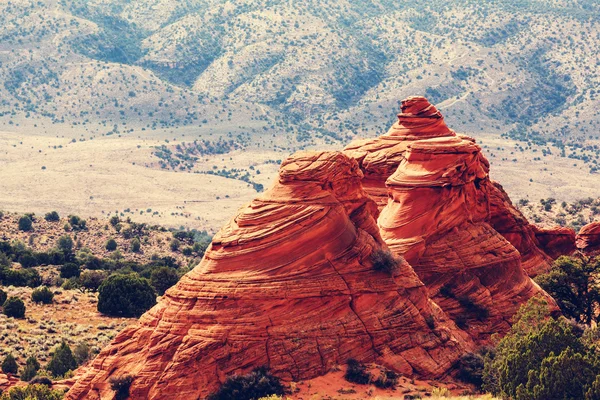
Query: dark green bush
{"x": 470, "y": 369}
{"x": 125, "y": 296}
{"x": 32, "y": 366}
{"x": 69, "y": 270}
{"x": 91, "y": 280}
{"x": 62, "y": 361}
{"x": 9, "y": 365}
{"x": 163, "y": 278}
{"x": 14, "y": 307}
{"x": 42, "y": 295}
{"x": 111, "y": 244}
{"x": 121, "y": 386}
{"x": 258, "y": 383}
{"x": 25, "y": 223}
{"x": 384, "y": 261}
{"x": 20, "y": 278}
{"x": 135, "y": 245}
{"x": 65, "y": 244}
{"x": 356, "y": 372}
{"x": 175, "y": 244}
{"x": 3, "y": 297}
{"x": 52, "y": 216}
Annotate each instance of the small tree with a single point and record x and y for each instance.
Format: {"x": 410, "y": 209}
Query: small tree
{"x": 65, "y": 243}
{"x": 42, "y": 295}
{"x": 135, "y": 245}
{"x": 114, "y": 220}
{"x": 14, "y": 307}
{"x": 62, "y": 361}
{"x": 32, "y": 366}
{"x": 52, "y": 216}
{"x": 573, "y": 283}
{"x": 91, "y": 280}
{"x": 25, "y": 223}
{"x": 175, "y": 243}
{"x": 69, "y": 270}
{"x": 125, "y": 296}
{"x": 9, "y": 365}
{"x": 81, "y": 353}
{"x": 111, "y": 244}
{"x": 3, "y": 297}
{"x": 163, "y": 278}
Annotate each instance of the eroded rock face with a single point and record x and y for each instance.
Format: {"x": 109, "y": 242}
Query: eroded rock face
{"x": 557, "y": 241}
{"x": 588, "y": 239}
{"x": 437, "y": 217}
{"x": 289, "y": 283}
{"x": 419, "y": 120}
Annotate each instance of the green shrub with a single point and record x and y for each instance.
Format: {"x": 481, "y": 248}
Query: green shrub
{"x": 187, "y": 251}
{"x": 356, "y": 372}
{"x": 20, "y": 278}
{"x": 384, "y": 261}
{"x": 27, "y": 259}
{"x": 65, "y": 244}
{"x": 32, "y": 366}
{"x": 163, "y": 278}
{"x": 71, "y": 284}
{"x": 258, "y": 383}
{"x": 81, "y": 353}
{"x": 42, "y": 295}
{"x": 125, "y": 296}
{"x": 111, "y": 244}
{"x": 121, "y": 386}
{"x": 62, "y": 361}
{"x": 32, "y": 392}
{"x": 541, "y": 358}
{"x": 14, "y": 307}
{"x": 135, "y": 245}
{"x": 3, "y": 297}
{"x": 52, "y": 216}
{"x": 174, "y": 245}
{"x": 77, "y": 223}
{"x": 470, "y": 369}
{"x": 69, "y": 270}
{"x": 25, "y": 223}
{"x": 91, "y": 280}
{"x": 114, "y": 220}
{"x": 9, "y": 365}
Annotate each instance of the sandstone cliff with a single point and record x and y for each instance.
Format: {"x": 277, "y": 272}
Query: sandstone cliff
{"x": 437, "y": 217}
{"x": 419, "y": 120}
{"x": 588, "y": 239}
{"x": 289, "y": 283}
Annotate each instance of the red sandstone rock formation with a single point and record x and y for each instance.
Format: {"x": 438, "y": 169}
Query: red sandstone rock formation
{"x": 437, "y": 217}
{"x": 419, "y": 120}
{"x": 588, "y": 238}
{"x": 557, "y": 241}
{"x": 288, "y": 283}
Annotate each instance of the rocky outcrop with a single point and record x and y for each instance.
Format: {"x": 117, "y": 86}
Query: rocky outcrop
{"x": 512, "y": 224}
{"x": 557, "y": 241}
{"x": 419, "y": 120}
{"x": 437, "y": 217}
{"x": 588, "y": 239}
{"x": 289, "y": 283}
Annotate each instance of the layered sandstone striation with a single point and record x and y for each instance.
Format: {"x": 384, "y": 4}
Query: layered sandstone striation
{"x": 419, "y": 120}
{"x": 557, "y": 241}
{"x": 289, "y": 283}
{"x": 437, "y": 217}
{"x": 588, "y": 239}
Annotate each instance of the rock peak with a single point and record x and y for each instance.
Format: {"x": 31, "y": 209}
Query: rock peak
{"x": 419, "y": 119}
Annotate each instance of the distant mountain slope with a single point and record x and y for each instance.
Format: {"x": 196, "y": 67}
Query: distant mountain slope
{"x": 528, "y": 68}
